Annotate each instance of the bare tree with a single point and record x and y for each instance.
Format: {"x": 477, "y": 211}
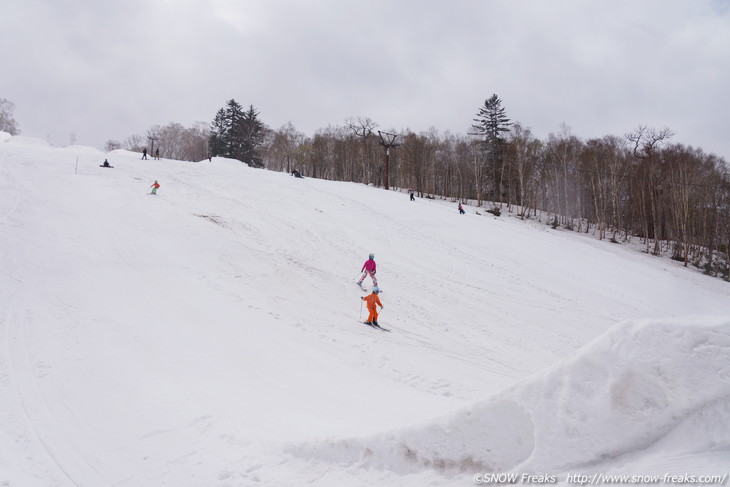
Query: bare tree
{"x": 281, "y": 147}
{"x": 362, "y": 128}
{"x": 134, "y": 143}
{"x": 523, "y": 151}
{"x": 169, "y": 140}
{"x": 7, "y": 122}
{"x": 153, "y": 135}
{"x": 413, "y": 152}
{"x": 463, "y": 151}
{"x": 562, "y": 153}
{"x": 112, "y": 145}
{"x": 646, "y": 142}
{"x": 618, "y": 165}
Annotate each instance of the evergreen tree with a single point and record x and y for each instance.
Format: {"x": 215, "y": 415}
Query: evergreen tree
{"x": 218, "y": 133}
{"x": 234, "y": 130}
{"x": 252, "y": 136}
{"x": 491, "y": 123}
{"x": 237, "y": 134}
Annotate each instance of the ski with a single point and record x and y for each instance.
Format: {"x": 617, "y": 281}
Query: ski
{"x": 364, "y": 288}
{"x": 377, "y": 327}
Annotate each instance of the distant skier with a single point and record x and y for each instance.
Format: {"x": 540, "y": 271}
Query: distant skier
{"x": 368, "y": 268}
{"x": 372, "y": 300}
{"x": 157, "y": 154}
{"x": 144, "y": 153}
{"x": 154, "y": 187}
{"x": 106, "y": 163}
{"x": 461, "y": 209}
{"x": 410, "y": 192}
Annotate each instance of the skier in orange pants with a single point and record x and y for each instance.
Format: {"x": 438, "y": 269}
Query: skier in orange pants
{"x": 372, "y": 300}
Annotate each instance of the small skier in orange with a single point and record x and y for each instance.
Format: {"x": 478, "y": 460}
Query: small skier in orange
{"x": 154, "y": 187}
{"x": 372, "y": 300}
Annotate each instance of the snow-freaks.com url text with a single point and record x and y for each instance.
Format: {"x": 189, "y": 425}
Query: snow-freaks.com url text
{"x": 599, "y": 479}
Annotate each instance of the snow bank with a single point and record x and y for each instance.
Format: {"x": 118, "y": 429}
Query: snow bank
{"x": 27, "y": 141}
{"x": 83, "y": 149}
{"x": 4, "y": 136}
{"x": 628, "y": 389}
{"x": 226, "y": 160}
{"x": 125, "y": 153}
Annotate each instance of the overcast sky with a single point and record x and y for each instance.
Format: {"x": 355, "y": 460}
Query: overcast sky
{"x": 109, "y": 69}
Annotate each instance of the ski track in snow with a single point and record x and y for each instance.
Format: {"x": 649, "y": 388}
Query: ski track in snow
{"x": 208, "y": 335}
{"x": 47, "y": 430}
{"x": 33, "y": 413}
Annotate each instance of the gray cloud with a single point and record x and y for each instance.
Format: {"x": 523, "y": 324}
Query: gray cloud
{"x": 111, "y": 69}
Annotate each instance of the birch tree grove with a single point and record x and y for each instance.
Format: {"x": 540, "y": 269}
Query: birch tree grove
{"x": 523, "y": 152}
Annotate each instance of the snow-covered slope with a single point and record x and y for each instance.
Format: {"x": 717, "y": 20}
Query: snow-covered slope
{"x": 209, "y": 335}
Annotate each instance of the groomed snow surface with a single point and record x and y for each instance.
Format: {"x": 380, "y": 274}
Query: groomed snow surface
{"x": 208, "y": 336}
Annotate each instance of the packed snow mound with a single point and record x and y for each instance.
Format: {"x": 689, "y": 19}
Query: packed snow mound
{"x": 4, "y": 136}
{"x": 225, "y": 160}
{"x": 27, "y": 141}
{"x": 124, "y": 153}
{"x": 628, "y": 389}
{"x": 83, "y": 149}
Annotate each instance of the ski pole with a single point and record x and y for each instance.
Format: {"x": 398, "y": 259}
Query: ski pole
{"x": 360, "y": 308}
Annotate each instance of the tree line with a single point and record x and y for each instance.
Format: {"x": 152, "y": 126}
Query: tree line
{"x": 674, "y": 198}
